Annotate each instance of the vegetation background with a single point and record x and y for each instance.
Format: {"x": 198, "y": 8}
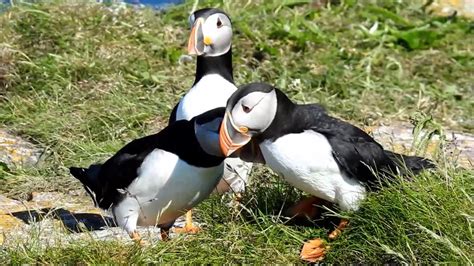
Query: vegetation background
{"x": 82, "y": 79}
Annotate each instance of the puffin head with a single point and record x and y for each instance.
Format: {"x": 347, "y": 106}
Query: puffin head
{"x": 211, "y": 32}
{"x": 249, "y": 112}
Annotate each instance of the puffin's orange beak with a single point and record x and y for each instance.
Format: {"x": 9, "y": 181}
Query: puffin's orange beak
{"x": 232, "y": 138}
{"x": 195, "y": 42}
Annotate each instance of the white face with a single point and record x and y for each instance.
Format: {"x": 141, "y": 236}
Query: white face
{"x": 217, "y": 27}
{"x": 212, "y": 36}
{"x": 255, "y": 111}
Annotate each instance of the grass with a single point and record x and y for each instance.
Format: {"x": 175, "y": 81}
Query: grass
{"x": 83, "y": 79}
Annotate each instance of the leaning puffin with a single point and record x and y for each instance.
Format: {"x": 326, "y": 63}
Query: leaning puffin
{"x": 319, "y": 154}
{"x": 211, "y": 41}
{"x": 155, "y": 179}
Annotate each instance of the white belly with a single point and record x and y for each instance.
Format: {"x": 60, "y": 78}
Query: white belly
{"x": 305, "y": 160}
{"x": 167, "y": 187}
{"x": 212, "y": 91}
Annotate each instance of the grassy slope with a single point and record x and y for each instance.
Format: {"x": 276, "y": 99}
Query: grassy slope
{"x": 82, "y": 80}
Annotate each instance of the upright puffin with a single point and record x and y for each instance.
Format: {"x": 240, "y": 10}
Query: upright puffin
{"x": 155, "y": 179}
{"x": 211, "y": 41}
{"x": 321, "y": 155}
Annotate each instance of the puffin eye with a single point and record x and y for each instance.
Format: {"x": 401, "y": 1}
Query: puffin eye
{"x": 219, "y": 23}
{"x": 246, "y": 109}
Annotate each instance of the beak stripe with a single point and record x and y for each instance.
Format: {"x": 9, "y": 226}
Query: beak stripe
{"x": 195, "y": 38}
{"x": 191, "y": 42}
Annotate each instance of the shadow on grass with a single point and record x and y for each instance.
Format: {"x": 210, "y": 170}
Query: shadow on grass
{"x": 74, "y": 222}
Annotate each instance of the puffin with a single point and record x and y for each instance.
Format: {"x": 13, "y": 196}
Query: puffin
{"x": 323, "y": 156}
{"x": 211, "y": 41}
{"x": 153, "y": 180}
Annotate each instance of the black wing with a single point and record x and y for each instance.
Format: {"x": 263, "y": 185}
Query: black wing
{"x": 356, "y": 153}
{"x": 312, "y": 109}
{"x": 121, "y": 169}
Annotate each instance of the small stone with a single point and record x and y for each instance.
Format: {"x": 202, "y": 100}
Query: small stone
{"x": 464, "y": 8}
{"x": 184, "y": 59}
{"x": 16, "y": 152}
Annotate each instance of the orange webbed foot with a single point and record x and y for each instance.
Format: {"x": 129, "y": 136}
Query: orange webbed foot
{"x": 192, "y": 229}
{"x": 135, "y": 236}
{"x": 337, "y": 232}
{"x": 314, "y": 250}
{"x": 188, "y": 228}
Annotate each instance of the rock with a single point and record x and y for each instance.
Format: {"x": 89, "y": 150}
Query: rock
{"x": 464, "y": 8}
{"x": 399, "y": 137}
{"x": 52, "y": 218}
{"x": 7, "y": 205}
{"x": 7, "y": 221}
{"x": 16, "y": 152}
{"x": 185, "y": 59}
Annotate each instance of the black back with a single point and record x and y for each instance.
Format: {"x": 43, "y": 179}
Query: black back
{"x": 178, "y": 138}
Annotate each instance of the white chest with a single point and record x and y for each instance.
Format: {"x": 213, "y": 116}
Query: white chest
{"x": 167, "y": 186}
{"x": 305, "y": 160}
{"x": 212, "y": 91}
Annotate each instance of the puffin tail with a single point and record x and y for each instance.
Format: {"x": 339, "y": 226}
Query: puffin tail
{"x": 410, "y": 164}
{"x": 89, "y": 178}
